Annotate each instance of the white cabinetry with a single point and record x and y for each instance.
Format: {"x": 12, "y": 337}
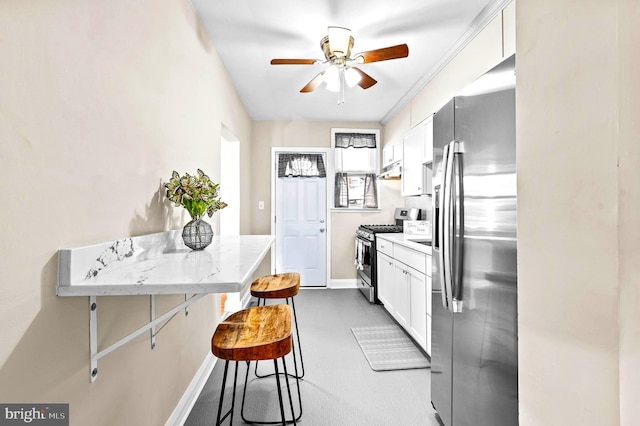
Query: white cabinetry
{"x": 417, "y": 150}
{"x": 404, "y": 287}
{"x": 418, "y": 298}
{"x": 391, "y": 153}
{"x": 385, "y": 281}
{"x": 427, "y": 148}
{"x": 412, "y": 153}
{"x": 402, "y": 311}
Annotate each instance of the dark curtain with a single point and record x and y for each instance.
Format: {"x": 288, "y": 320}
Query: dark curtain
{"x": 356, "y": 140}
{"x": 301, "y": 165}
{"x": 341, "y": 193}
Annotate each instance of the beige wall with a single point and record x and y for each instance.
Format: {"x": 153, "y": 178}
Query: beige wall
{"x": 268, "y": 134}
{"x": 99, "y": 102}
{"x": 629, "y": 207}
{"x": 578, "y": 203}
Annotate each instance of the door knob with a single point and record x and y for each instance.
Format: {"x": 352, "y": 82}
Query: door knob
{"x": 321, "y": 229}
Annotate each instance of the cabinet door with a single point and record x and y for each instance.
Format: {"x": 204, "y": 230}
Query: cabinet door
{"x": 385, "y": 281}
{"x": 428, "y": 141}
{"x": 401, "y": 294}
{"x": 387, "y": 155}
{"x": 418, "y": 298}
{"x": 412, "y": 153}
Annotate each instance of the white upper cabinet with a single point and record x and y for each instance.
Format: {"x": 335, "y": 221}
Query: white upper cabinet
{"x": 427, "y": 147}
{"x": 391, "y": 153}
{"x": 417, "y": 149}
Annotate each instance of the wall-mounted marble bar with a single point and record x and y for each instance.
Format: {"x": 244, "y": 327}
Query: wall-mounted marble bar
{"x": 160, "y": 264}
{"x": 156, "y": 264}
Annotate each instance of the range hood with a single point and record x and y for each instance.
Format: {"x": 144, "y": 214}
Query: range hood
{"x": 392, "y": 171}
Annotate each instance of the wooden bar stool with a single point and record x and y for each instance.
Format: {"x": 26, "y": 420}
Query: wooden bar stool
{"x": 280, "y": 286}
{"x": 257, "y": 333}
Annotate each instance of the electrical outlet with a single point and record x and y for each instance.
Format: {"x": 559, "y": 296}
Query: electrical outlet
{"x": 260, "y": 205}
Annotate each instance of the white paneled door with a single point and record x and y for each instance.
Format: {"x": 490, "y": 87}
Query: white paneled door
{"x": 301, "y": 234}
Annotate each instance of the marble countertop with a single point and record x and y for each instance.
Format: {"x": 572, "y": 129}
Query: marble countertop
{"x": 408, "y": 241}
{"x": 160, "y": 264}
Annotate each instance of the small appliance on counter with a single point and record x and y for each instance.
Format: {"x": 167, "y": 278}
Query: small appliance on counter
{"x": 365, "y": 250}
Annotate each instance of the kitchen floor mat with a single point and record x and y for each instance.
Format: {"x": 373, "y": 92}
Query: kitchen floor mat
{"x": 387, "y": 347}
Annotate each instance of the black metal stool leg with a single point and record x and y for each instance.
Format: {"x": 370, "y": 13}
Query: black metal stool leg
{"x": 233, "y": 396}
{"x": 295, "y": 320}
{"x": 286, "y": 378}
{"x": 295, "y": 418}
{"x": 256, "y": 367}
{"x": 275, "y": 364}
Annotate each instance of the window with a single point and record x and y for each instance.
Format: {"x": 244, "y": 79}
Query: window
{"x": 356, "y": 158}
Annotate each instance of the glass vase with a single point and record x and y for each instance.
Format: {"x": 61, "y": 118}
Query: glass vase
{"x": 197, "y": 234}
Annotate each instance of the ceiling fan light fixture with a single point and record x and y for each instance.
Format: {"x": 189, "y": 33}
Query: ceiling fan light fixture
{"x": 331, "y": 74}
{"x": 351, "y": 77}
{"x": 334, "y": 85}
{"x": 340, "y": 41}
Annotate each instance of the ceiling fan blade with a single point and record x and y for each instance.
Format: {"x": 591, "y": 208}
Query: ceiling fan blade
{"x": 384, "y": 54}
{"x": 293, "y": 61}
{"x": 366, "y": 80}
{"x": 315, "y": 82}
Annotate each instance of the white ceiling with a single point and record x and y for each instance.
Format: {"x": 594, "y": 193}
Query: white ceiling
{"x": 247, "y": 34}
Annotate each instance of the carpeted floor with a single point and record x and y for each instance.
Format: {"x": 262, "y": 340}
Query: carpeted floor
{"x": 339, "y": 387}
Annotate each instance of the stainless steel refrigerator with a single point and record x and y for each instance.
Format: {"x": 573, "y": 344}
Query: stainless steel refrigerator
{"x": 474, "y": 372}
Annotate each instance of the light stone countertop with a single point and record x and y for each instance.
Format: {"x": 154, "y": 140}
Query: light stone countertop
{"x": 408, "y": 241}
{"x": 160, "y": 264}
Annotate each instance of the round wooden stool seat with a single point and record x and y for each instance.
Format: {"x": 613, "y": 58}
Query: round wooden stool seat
{"x": 257, "y": 333}
{"x": 253, "y": 334}
{"x": 278, "y": 286}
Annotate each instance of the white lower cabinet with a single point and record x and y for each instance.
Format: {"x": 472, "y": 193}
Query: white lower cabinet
{"x": 404, "y": 287}
{"x": 403, "y": 304}
{"x": 418, "y": 300}
{"x": 385, "y": 280}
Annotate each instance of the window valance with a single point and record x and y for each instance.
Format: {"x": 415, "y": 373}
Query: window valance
{"x": 301, "y": 165}
{"x": 356, "y": 140}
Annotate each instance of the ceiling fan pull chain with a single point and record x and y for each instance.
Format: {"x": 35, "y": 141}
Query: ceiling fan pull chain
{"x": 341, "y": 94}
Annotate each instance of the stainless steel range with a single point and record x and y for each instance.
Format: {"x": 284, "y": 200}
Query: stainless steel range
{"x": 365, "y": 253}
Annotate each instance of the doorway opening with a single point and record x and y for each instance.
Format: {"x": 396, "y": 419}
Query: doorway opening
{"x": 230, "y": 183}
{"x": 229, "y": 217}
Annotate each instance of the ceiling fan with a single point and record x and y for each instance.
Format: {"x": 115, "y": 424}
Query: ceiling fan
{"x": 336, "y": 46}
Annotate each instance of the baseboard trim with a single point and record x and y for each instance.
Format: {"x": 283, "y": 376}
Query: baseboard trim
{"x": 342, "y": 284}
{"x": 190, "y": 396}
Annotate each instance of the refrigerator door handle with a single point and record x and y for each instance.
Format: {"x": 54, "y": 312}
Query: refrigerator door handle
{"x": 447, "y": 240}
{"x": 458, "y": 230}
{"x": 438, "y": 248}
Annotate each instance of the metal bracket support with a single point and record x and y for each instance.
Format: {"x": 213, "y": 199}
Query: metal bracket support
{"x": 95, "y": 355}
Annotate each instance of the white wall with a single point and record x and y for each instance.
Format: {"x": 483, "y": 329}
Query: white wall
{"x": 99, "y": 102}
